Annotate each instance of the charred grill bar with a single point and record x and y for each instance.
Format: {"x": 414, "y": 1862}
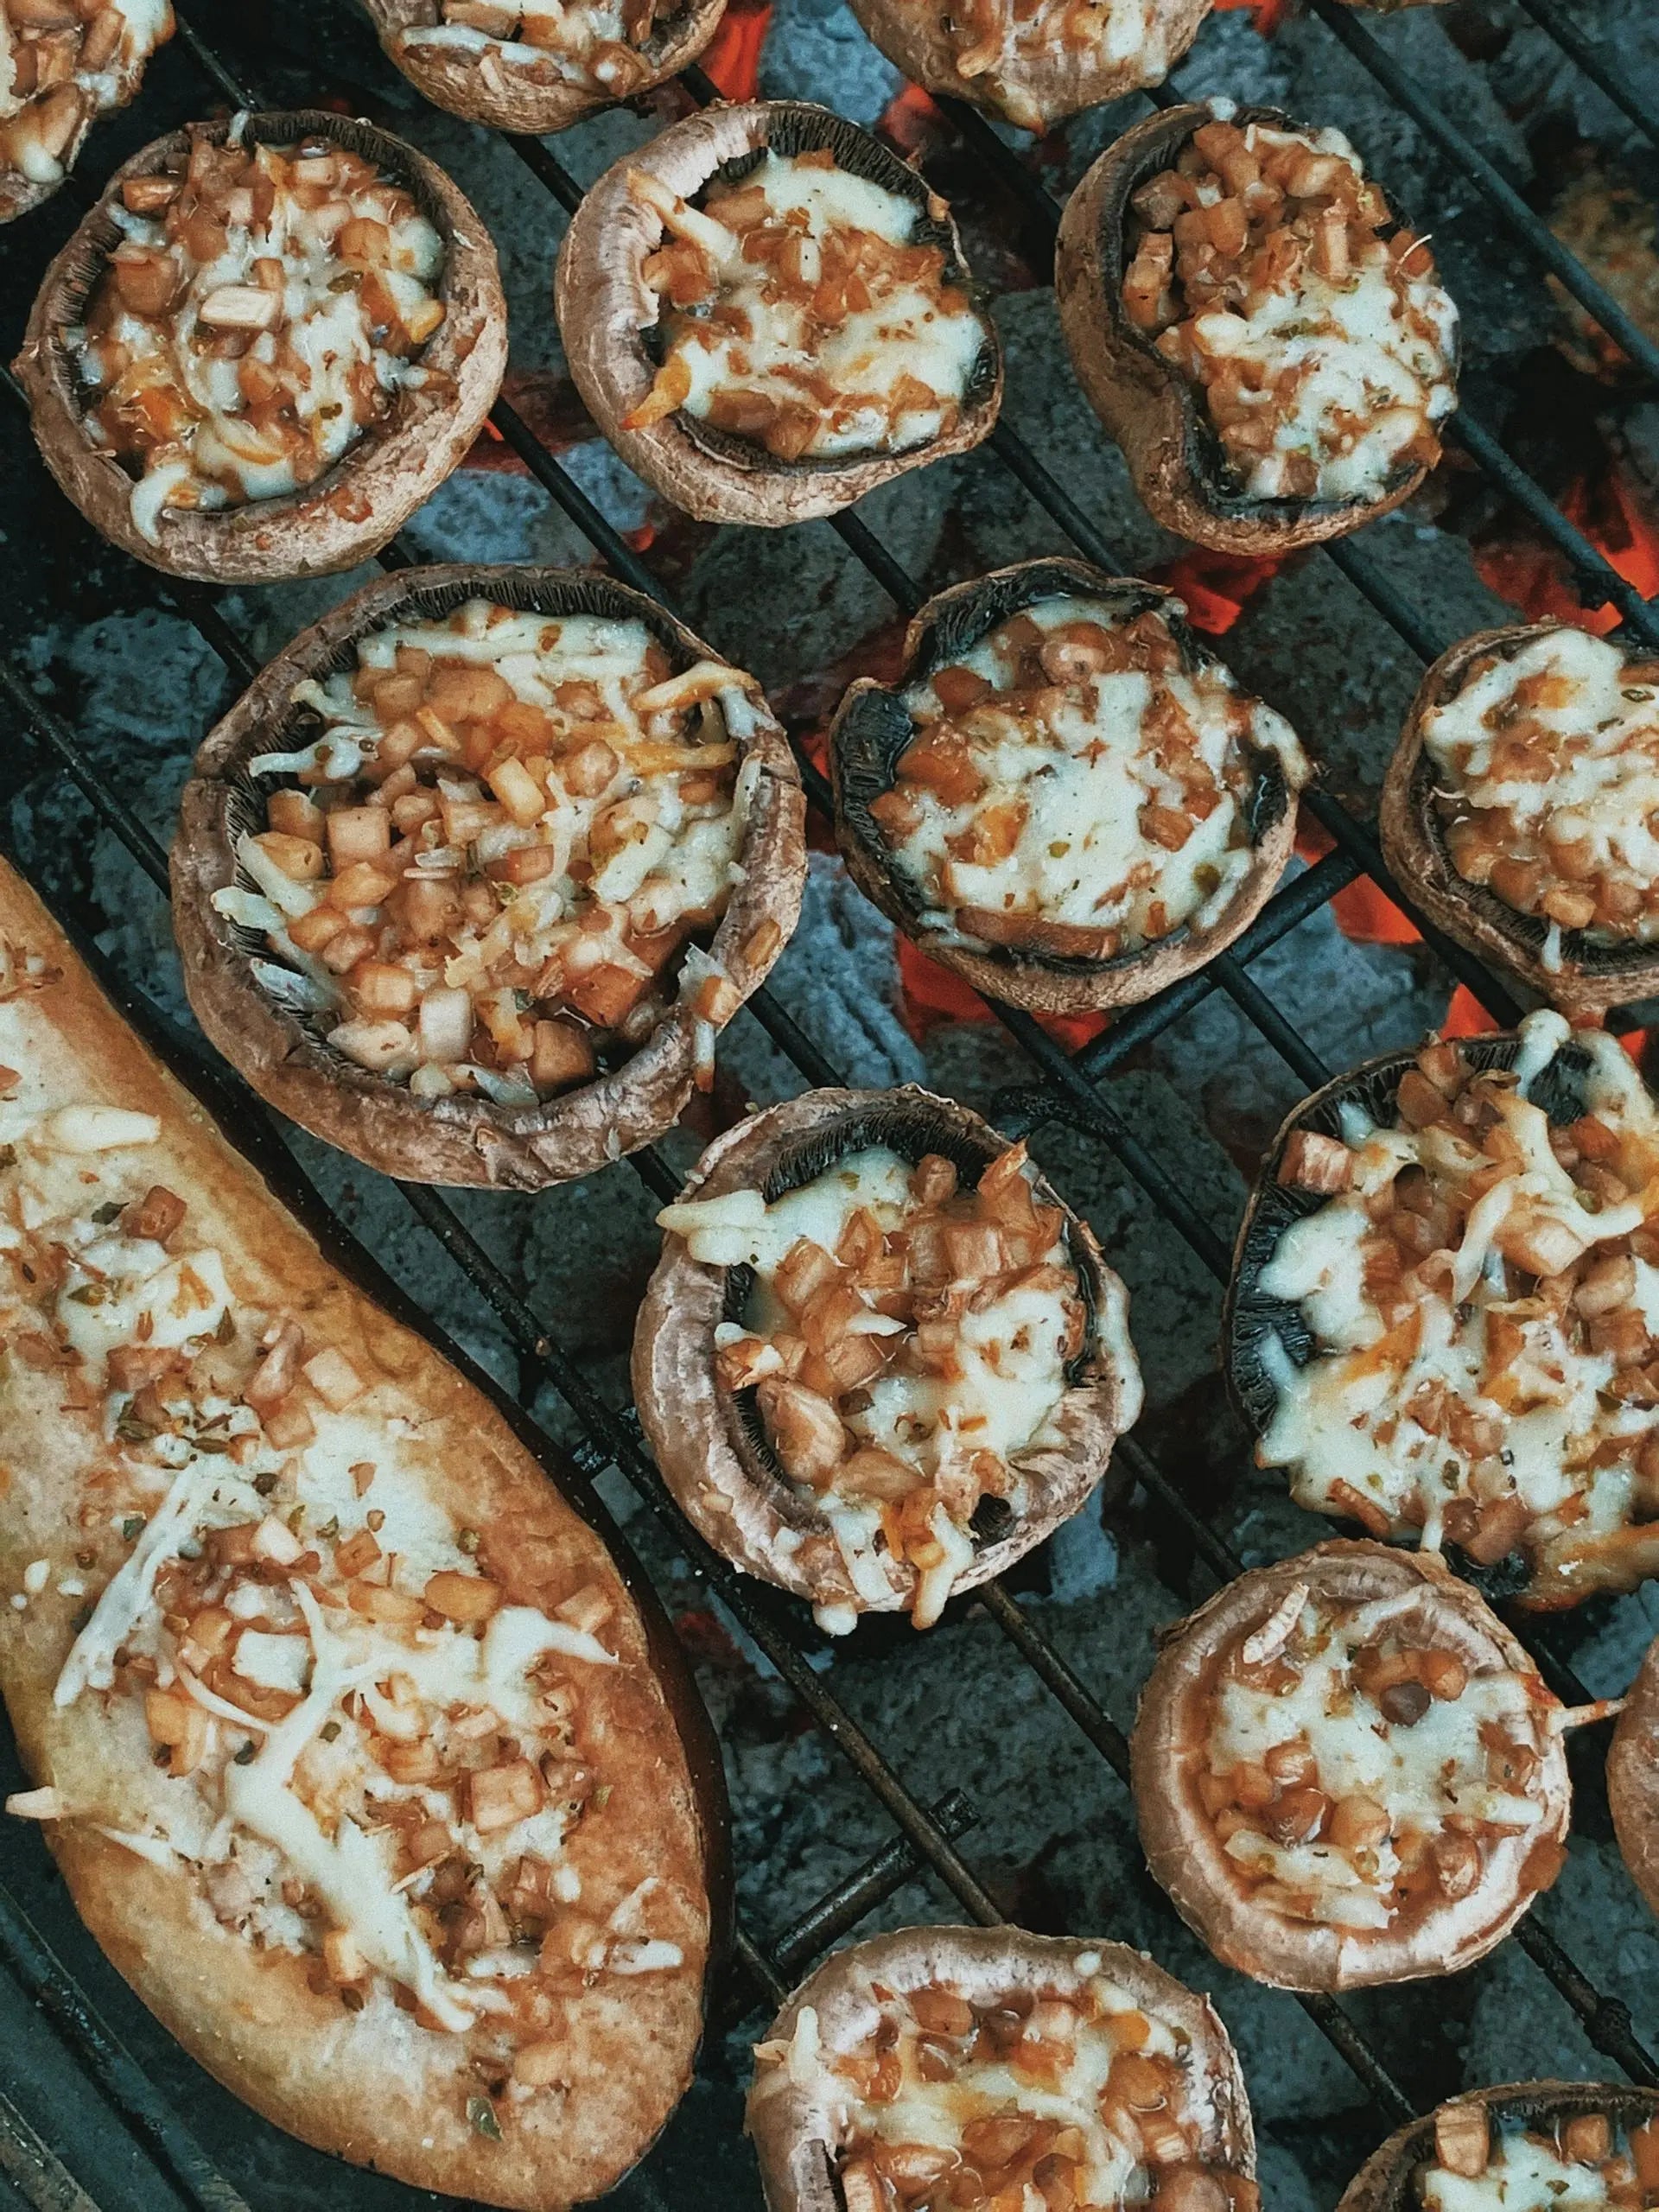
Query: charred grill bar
{"x": 1066, "y": 1089}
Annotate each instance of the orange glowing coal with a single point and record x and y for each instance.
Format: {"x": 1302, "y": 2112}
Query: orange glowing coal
{"x": 732, "y": 59}
{"x": 1532, "y": 575}
{"x": 910, "y": 121}
{"x": 1217, "y": 587}
{"x": 1266, "y": 15}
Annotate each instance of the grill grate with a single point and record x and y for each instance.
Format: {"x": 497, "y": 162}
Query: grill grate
{"x": 1066, "y": 1089}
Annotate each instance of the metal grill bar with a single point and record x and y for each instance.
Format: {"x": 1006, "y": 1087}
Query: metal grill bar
{"x": 1551, "y": 18}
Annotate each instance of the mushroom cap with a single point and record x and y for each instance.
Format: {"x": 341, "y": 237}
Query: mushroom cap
{"x": 1633, "y": 1779}
{"x": 1592, "y": 977}
{"x": 351, "y": 509}
{"x": 520, "y": 95}
{"x": 1183, "y": 1850}
{"x": 712, "y": 1451}
{"x": 793, "y": 2128}
{"x": 461, "y": 1139}
{"x": 1042, "y": 88}
{"x": 605, "y": 306}
{"x": 1383, "y": 2183}
{"x": 1155, "y": 412}
{"x": 872, "y": 727}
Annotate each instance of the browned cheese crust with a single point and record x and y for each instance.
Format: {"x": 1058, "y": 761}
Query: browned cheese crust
{"x": 1633, "y": 1779}
{"x": 604, "y": 303}
{"x": 1046, "y": 86}
{"x": 1152, "y": 410}
{"x": 1588, "y": 980}
{"x": 391, "y": 2096}
{"x": 1179, "y": 1838}
{"x": 510, "y": 96}
{"x": 356, "y": 506}
{"x": 1384, "y": 2182}
{"x": 696, "y": 1430}
{"x": 18, "y": 194}
{"x": 1025, "y": 977}
{"x": 465, "y": 1139}
{"x": 793, "y": 2133}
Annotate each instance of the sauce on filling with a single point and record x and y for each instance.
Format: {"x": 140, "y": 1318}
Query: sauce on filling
{"x": 595, "y": 43}
{"x": 264, "y": 309}
{"x": 1000, "y": 41}
{"x": 906, "y": 1338}
{"x": 1546, "y": 786}
{"x": 490, "y": 865}
{"x": 1482, "y": 1286}
{"x": 61, "y": 63}
{"x": 800, "y": 311}
{"x": 1358, "y": 1777}
{"x": 1071, "y": 2097}
{"x": 1580, "y": 2162}
{"x": 365, "y": 1752}
{"x": 1323, "y": 352}
{"x": 1072, "y": 788}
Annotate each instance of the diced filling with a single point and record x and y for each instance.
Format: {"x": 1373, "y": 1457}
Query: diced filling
{"x": 488, "y": 869}
{"x": 1546, "y": 786}
{"x": 61, "y": 63}
{"x": 1580, "y": 2162}
{"x": 1072, "y": 788}
{"x": 1000, "y": 42}
{"x": 264, "y": 310}
{"x": 800, "y": 309}
{"x": 1356, "y": 1774}
{"x": 1049, "y": 2101}
{"x": 1323, "y": 351}
{"x": 906, "y": 1337}
{"x": 369, "y": 1755}
{"x": 1482, "y": 1286}
{"x": 595, "y": 43}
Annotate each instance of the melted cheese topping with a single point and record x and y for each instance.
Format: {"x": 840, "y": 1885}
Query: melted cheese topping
{"x": 55, "y": 77}
{"x": 1324, "y": 353}
{"x": 1486, "y": 1403}
{"x": 369, "y": 1757}
{"x": 1526, "y": 2171}
{"x": 254, "y": 322}
{"x": 997, "y": 43}
{"x": 801, "y": 312}
{"x": 539, "y": 813}
{"x": 1093, "y": 782}
{"x": 898, "y": 1447}
{"x": 1546, "y": 783}
{"x": 1351, "y": 1872}
{"x": 1080, "y": 2083}
{"x": 592, "y": 43}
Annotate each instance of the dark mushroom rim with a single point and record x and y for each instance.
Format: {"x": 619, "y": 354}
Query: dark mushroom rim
{"x": 101, "y": 234}
{"x": 911, "y": 1130}
{"x": 794, "y": 127}
{"x": 247, "y": 795}
{"x": 1541, "y": 2111}
{"x": 1202, "y": 451}
{"x": 1251, "y": 1315}
{"x": 1580, "y": 950}
{"x": 876, "y": 727}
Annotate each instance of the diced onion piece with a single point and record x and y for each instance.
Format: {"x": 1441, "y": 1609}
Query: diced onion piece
{"x": 334, "y": 1378}
{"x": 446, "y": 1025}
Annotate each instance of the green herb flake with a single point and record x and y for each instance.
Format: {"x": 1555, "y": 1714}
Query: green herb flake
{"x": 91, "y": 1293}
{"x": 109, "y": 1211}
{"x": 134, "y": 1432}
{"x": 264, "y": 1483}
{"x": 226, "y": 1329}
{"x": 601, "y": 1797}
{"x": 330, "y": 1528}
{"x": 328, "y": 1730}
{"x": 244, "y": 1756}
{"x": 467, "y": 1540}
{"x": 481, "y": 2118}
{"x": 133, "y": 1527}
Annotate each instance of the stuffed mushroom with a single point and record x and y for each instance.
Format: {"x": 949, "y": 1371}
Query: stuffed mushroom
{"x": 472, "y": 878}
{"x": 535, "y": 65}
{"x": 1519, "y": 807}
{"x": 1633, "y": 1779}
{"x": 1438, "y": 1317}
{"x": 1033, "y": 64}
{"x": 879, "y": 1359}
{"x": 960, "y": 2070}
{"x": 63, "y": 63}
{"x": 768, "y": 314}
{"x": 1066, "y": 798}
{"x": 1347, "y": 1772}
{"x": 1267, "y": 344}
{"x": 265, "y": 345}
{"x": 1579, "y": 2145}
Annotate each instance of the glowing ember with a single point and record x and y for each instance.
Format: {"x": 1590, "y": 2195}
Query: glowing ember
{"x": 1266, "y": 15}
{"x": 910, "y": 121}
{"x": 732, "y": 59}
{"x": 1532, "y": 575}
{"x": 1215, "y": 586}
{"x": 555, "y": 415}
